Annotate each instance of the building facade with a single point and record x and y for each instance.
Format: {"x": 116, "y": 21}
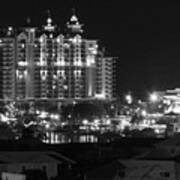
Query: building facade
{"x": 43, "y": 63}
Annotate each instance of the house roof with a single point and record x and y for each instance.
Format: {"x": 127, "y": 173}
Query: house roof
{"x": 156, "y": 154}
{"x": 105, "y": 171}
{"x": 171, "y": 142}
{"x": 33, "y": 157}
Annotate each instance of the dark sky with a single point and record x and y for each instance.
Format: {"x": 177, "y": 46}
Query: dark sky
{"x": 145, "y": 35}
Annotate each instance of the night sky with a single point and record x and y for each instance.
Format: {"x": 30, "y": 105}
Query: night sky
{"x": 145, "y": 36}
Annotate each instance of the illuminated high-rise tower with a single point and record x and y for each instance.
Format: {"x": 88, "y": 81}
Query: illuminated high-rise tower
{"x": 44, "y": 63}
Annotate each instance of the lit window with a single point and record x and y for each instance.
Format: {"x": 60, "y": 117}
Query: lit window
{"x": 41, "y": 39}
{"x": 60, "y": 63}
{"x": 22, "y": 63}
{"x": 58, "y": 40}
{"x": 90, "y": 60}
{"x": 66, "y": 45}
{"x": 65, "y": 87}
{"x": 23, "y": 46}
{"x": 54, "y": 76}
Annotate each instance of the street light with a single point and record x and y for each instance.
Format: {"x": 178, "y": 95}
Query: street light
{"x": 153, "y": 97}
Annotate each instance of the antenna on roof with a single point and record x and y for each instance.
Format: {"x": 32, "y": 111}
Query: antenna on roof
{"x": 73, "y": 11}
{"x": 28, "y": 20}
{"x": 48, "y": 13}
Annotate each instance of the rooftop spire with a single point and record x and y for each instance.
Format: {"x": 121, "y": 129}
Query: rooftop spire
{"x": 49, "y": 19}
{"x": 73, "y": 24}
{"x": 49, "y": 22}
{"x": 74, "y": 17}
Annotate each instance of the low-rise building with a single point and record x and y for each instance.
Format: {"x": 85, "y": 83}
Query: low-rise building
{"x": 48, "y": 164}
{"x": 162, "y": 162}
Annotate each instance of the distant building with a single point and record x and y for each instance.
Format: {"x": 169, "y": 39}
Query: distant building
{"x": 44, "y": 63}
{"x": 106, "y": 76}
{"x": 172, "y": 99}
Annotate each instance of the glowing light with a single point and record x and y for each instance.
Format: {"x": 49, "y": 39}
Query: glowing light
{"x": 153, "y": 121}
{"x": 112, "y": 107}
{"x": 167, "y": 101}
{"x": 77, "y": 73}
{"x": 49, "y": 20}
{"x": 78, "y": 63}
{"x": 66, "y": 45}
{"x": 85, "y": 122}
{"x": 176, "y": 108}
{"x": 93, "y": 50}
{"x": 30, "y": 123}
{"x": 74, "y": 18}
{"x": 51, "y": 36}
{"x": 10, "y": 28}
{"x": 23, "y": 46}
{"x": 20, "y": 76}
{"x": 108, "y": 122}
{"x": 3, "y": 118}
{"x": 90, "y": 60}
{"x": 96, "y": 121}
{"x": 129, "y": 99}
{"x": 153, "y": 97}
{"x": 43, "y": 114}
{"x": 54, "y": 76}
{"x": 43, "y": 78}
{"x": 74, "y": 102}
{"x": 144, "y": 113}
{"x": 100, "y": 96}
{"x": 61, "y": 73}
{"x": 76, "y": 40}
{"x": 22, "y": 63}
{"x": 65, "y": 87}
{"x": 42, "y": 63}
{"x": 43, "y": 72}
{"x": 58, "y": 40}
{"x": 47, "y": 126}
{"x": 60, "y": 63}
{"x": 37, "y": 112}
{"x": 41, "y": 39}
{"x": 54, "y": 116}
{"x": 49, "y": 26}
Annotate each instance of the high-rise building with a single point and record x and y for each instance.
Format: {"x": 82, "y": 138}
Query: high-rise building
{"x": 106, "y": 76}
{"x": 43, "y": 63}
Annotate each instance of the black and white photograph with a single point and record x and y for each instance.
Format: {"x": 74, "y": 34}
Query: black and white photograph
{"x": 89, "y": 90}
